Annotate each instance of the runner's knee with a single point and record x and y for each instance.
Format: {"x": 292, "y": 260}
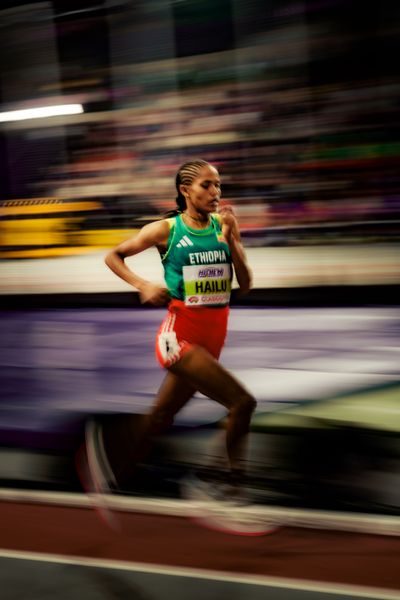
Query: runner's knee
{"x": 245, "y": 404}
{"x": 160, "y": 420}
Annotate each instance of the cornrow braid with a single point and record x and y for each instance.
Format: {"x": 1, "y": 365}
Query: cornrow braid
{"x": 186, "y": 174}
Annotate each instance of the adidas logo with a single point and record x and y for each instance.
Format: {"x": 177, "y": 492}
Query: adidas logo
{"x": 184, "y": 242}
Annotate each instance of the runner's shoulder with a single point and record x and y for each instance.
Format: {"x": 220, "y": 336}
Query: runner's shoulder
{"x": 157, "y": 231}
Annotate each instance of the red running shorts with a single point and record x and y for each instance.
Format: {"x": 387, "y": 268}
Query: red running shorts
{"x": 186, "y": 326}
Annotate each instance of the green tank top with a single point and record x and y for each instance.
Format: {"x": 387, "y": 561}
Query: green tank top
{"x": 197, "y": 264}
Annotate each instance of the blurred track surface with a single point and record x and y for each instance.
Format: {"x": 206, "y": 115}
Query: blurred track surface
{"x": 55, "y": 361}
{"x": 55, "y": 551}
{"x": 282, "y": 267}
{"x": 57, "y": 364}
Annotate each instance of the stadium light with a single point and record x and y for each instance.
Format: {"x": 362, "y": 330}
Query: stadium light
{"x": 41, "y": 112}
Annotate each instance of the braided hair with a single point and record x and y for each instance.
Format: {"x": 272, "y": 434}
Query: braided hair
{"x": 185, "y": 175}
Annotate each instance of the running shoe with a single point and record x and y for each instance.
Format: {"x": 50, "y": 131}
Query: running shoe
{"x": 222, "y": 507}
{"x": 96, "y": 474}
{"x": 99, "y": 465}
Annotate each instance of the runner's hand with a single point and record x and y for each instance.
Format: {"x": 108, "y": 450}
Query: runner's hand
{"x": 156, "y": 295}
{"x": 230, "y": 225}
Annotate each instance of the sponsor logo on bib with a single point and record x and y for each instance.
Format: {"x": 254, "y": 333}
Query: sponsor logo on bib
{"x": 207, "y": 285}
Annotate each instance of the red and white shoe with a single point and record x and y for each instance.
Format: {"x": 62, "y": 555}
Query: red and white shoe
{"x": 215, "y": 507}
{"x": 96, "y": 474}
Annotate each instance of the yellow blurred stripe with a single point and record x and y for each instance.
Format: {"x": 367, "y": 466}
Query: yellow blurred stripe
{"x": 102, "y": 237}
{"x": 33, "y": 232}
{"x": 49, "y": 252}
{"x": 72, "y": 242}
{"x": 27, "y": 225}
{"x": 15, "y": 208}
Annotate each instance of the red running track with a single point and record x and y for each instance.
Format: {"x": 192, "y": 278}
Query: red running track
{"x": 308, "y": 554}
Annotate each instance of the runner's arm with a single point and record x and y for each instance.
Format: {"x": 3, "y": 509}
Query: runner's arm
{"x": 230, "y": 229}
{"x": 153, "y": 234}
{"x": 242, "y": 270}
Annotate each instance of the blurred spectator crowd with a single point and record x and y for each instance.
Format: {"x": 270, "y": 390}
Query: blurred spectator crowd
{"x": 295, "y": 103}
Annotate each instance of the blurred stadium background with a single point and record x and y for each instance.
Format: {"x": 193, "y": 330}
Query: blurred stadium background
{"x": 297, "y": 104}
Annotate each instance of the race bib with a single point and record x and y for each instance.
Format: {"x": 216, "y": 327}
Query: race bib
{"x": 207, "y": 284}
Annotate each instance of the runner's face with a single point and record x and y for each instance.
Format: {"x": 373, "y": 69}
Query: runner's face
{"x": 205, "y": 190}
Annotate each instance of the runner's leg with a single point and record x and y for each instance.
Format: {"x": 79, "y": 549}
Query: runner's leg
{"x": 203, "y": 372}
{"x": 172, "y": 396}
{"x": 118, "y": 445}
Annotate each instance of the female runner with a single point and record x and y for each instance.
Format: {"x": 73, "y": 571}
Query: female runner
{"x": 199, "y": 247}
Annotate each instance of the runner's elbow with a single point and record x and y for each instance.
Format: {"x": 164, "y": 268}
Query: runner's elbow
{"x": 112, "y": 257}
{"x": 109, "y": 258}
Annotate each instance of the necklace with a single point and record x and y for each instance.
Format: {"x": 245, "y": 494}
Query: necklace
{"x": 197, "y": 220}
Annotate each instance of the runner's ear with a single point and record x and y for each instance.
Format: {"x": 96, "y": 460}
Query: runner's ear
{"x": 183, "y": 189}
